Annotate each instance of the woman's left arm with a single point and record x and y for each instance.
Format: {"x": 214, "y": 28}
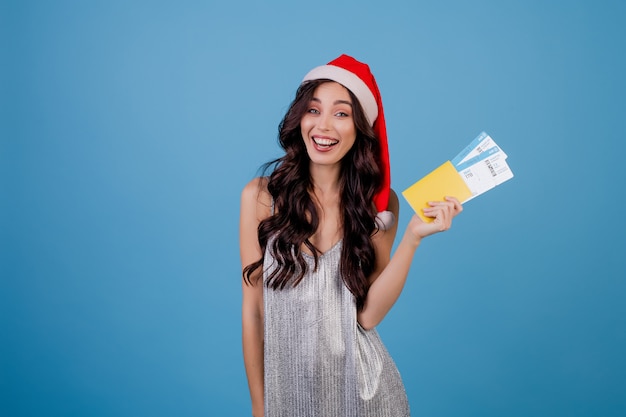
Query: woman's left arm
{"x": 388, "y": 279}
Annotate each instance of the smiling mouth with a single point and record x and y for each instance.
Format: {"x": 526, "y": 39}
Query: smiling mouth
{"x": 324, "y": 143}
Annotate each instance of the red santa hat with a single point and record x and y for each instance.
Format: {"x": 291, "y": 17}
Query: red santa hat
{"x": 357, "y": 77}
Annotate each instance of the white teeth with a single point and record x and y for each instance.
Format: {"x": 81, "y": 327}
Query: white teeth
{"x": 325, "y": 142}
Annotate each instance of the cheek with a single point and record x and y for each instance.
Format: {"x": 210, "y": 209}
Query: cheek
{"x": 349, "y": 132}
{"x": 306, "y": 124}
{"x": 351, "y": 143}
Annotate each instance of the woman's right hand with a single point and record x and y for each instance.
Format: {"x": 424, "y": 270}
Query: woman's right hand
{"x": 255, "y": 206}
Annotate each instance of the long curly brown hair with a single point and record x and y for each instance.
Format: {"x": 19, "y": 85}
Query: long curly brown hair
{"x": 295, "y": 218}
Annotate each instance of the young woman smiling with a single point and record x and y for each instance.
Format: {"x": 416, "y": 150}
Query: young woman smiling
{"x": 315, "y": 242}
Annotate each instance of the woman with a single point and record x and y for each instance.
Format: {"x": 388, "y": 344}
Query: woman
{"x": 315, "y": 240}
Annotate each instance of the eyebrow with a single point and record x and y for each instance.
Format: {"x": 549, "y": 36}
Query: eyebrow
{"x": 335, "y": 103}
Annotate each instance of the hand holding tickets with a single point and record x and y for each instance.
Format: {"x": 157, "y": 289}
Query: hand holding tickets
{"x": 476, "y": 169}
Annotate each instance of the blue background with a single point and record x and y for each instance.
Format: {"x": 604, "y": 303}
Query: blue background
{"x": 129, "y": 128}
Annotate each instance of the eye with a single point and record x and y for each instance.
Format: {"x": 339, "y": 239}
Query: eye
{"x": 342, "y": 114}
{"x": 313, "y": 111}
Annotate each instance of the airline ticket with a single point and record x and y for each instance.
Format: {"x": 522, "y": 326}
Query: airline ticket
{"x": 478, "y": 168}
{"x": 482, "y": 165}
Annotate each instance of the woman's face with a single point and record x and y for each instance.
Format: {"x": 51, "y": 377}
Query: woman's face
{"x": 328, "y": 126}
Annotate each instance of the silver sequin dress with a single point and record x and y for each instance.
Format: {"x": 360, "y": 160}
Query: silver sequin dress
{"x": 319, "y": 362}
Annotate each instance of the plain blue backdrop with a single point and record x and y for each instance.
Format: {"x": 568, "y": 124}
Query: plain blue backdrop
{"x": 128, "y": 129}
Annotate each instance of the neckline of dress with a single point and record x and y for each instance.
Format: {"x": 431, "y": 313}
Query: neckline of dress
{"x": 332, "y": 248}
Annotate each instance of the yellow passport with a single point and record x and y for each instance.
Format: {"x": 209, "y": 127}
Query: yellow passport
{"x": 444, "y": 181}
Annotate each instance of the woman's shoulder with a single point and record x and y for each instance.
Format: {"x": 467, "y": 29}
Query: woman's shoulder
{"x": 255, "y": 196}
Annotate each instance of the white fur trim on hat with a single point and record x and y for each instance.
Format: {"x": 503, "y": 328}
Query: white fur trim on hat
{"x": 352, "y": 82}
{"x": 385, "y": 220}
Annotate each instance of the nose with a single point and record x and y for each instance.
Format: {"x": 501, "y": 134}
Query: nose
{"x": 324, "y": 122}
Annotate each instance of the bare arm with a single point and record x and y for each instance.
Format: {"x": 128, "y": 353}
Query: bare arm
{"x": 255, "y": 206}
{"x": 390, "y": 275}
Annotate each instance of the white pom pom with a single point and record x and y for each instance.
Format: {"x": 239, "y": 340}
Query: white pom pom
{"x": 385, "y": 220}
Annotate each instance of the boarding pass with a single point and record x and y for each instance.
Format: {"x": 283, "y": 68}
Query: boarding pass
{"x": 479, "y": 167}
{"x": 482, "y": 165}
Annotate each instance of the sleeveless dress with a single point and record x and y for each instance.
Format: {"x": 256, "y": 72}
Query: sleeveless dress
{"x": 319, "y": 362}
